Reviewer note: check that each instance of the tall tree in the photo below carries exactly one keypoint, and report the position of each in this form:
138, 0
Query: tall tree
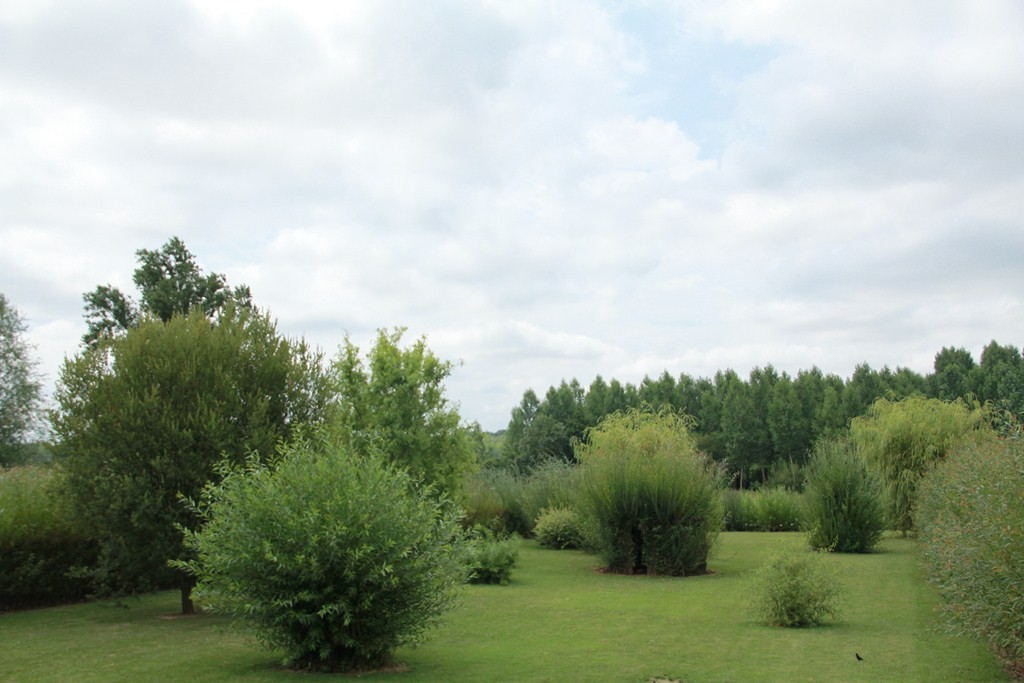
170, 282
146, 417
395, 404
20, 387
999, 378
952, 377
790, 428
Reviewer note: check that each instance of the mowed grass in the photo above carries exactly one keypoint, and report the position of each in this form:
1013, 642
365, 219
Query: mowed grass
559, 620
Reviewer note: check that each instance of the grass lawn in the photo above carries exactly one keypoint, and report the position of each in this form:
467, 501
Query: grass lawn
559, 620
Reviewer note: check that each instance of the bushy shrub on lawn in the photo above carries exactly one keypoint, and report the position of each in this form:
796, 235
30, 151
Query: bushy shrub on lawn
491, 557
796, 589
653, 501
560, 528
845, 500
971, 520
41, 546
334, 559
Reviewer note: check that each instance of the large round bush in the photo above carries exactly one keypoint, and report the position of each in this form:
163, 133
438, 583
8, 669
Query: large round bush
335, 559
845, 500
653, 501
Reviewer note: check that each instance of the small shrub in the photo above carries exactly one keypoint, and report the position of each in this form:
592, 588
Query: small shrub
334, 559
653, 501
42, 550
796, 589
560, 528
845, 509
491, 558
972, 534
776, 509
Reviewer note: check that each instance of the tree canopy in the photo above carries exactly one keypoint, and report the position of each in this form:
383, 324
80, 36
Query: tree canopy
395, 405
144, 418
170, 282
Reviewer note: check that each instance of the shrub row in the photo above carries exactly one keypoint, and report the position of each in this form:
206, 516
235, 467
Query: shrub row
42, 551
508, 502
774, 509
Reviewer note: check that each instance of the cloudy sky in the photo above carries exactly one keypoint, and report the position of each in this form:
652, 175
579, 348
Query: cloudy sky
546, 190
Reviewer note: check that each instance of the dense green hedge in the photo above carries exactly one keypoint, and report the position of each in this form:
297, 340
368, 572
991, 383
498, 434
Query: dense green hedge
971, 519
40, 545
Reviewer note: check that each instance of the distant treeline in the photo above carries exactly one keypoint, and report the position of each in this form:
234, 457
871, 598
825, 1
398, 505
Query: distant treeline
765, 425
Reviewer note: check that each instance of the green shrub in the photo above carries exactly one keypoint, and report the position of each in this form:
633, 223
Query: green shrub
971, 522
738, 512
334, 559
903, 439
560, 528
775, 509
796, 589
491, 558
482, 506
520, 498
42, 549
845, 509
653, 501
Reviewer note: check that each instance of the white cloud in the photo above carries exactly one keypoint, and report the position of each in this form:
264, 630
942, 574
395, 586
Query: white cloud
532, 185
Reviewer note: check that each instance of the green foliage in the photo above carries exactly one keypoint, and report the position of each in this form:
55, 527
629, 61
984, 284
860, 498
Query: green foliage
972, 531
396, 405
796, 589
41, 546
491, 557
146, 416
738, 513
510, 502
903, 439
559, 528
170, 282
20, 388
845, 500
336, 559
653, 501
775, 509
769, 509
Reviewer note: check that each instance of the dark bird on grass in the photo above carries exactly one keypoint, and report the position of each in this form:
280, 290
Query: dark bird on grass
859, 658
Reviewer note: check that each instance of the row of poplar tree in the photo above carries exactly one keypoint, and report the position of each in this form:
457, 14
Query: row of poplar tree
764, 426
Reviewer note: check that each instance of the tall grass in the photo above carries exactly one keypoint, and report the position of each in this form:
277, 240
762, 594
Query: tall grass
845, 500
653, 502
506, 501
772, 509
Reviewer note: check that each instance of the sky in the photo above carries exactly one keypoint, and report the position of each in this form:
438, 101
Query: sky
544, 190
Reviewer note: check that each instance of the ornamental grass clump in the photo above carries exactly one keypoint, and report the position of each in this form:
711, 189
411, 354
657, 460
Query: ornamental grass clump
336, 560
845, 500
652, 501
796, 589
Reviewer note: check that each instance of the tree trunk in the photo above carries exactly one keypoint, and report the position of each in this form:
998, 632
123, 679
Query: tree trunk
187, 584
